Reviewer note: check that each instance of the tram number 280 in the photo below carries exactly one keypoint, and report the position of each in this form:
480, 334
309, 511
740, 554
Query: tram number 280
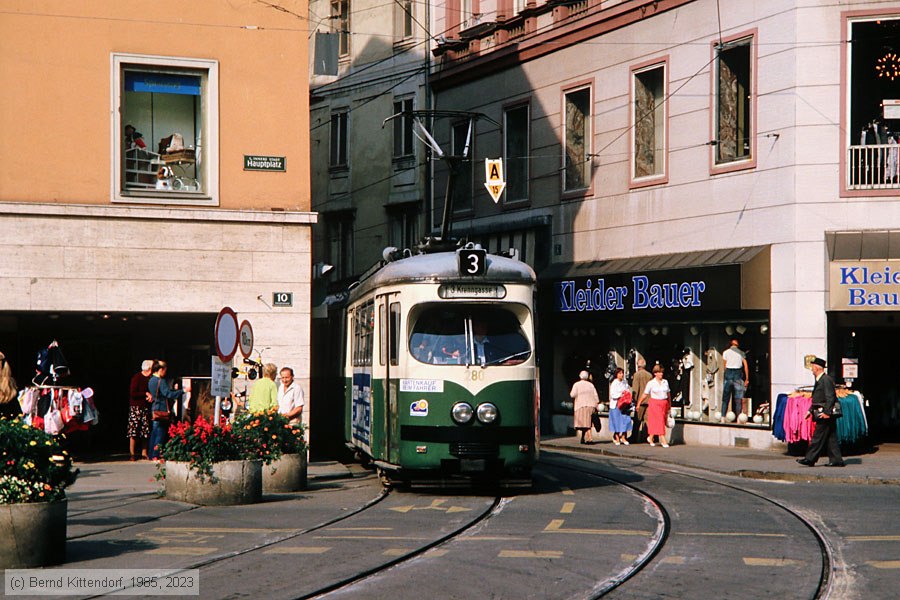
472, 261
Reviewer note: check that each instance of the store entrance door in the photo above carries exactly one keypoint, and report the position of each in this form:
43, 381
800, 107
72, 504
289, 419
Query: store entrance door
874, 339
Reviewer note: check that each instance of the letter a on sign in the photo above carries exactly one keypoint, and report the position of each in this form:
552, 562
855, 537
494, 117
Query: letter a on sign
493, 177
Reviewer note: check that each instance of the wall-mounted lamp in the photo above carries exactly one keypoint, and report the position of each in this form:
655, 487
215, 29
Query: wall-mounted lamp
764, 328
665, 331
741, 329
654, 330
695, 330
642, 331
729, 330
618, 331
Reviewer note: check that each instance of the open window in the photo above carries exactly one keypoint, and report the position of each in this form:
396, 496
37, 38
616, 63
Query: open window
165, 133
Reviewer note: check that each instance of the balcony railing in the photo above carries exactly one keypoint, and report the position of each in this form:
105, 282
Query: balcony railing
873, 167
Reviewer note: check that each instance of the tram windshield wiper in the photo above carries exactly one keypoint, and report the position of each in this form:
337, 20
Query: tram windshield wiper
498, 361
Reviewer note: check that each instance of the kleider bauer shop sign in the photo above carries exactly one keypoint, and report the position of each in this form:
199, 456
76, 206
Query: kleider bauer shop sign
864, 285
688, 290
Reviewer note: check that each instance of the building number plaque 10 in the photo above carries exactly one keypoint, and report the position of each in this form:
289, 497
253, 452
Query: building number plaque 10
472, 261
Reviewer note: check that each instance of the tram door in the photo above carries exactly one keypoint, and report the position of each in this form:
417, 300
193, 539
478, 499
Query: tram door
389, 351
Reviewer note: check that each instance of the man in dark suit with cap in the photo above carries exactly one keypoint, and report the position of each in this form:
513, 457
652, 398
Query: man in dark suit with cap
825, 436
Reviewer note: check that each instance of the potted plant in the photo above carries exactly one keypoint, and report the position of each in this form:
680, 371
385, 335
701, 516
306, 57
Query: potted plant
208, 464
279, 444
34, 473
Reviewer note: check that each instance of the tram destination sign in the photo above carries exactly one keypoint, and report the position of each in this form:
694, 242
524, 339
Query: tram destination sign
471, 290
264, 163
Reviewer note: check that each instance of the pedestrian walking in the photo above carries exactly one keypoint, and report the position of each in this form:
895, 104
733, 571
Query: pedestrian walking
139, 400
641, 378
264, 395
824, 437
164, 396
659, 400
619, 417
586, 401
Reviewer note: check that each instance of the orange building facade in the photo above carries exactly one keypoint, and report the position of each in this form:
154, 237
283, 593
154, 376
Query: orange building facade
156, 170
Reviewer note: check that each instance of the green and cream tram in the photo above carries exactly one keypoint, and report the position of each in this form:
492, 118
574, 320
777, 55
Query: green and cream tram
440, 369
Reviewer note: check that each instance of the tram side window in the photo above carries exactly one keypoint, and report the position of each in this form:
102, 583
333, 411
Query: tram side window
363, 329
395, 333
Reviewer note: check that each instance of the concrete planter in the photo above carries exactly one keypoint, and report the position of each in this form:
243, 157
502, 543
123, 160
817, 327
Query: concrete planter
32, 534
287, 474
237, 482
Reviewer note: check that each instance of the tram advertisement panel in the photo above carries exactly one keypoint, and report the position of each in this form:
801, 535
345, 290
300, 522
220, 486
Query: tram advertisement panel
362, 408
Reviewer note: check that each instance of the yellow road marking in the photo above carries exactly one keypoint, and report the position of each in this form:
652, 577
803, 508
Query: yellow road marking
567, 508
181, 551
873, 538
218, 530
530, 554
732, 534
295, 550
770, 562
567, 492
368, 537
437, 553
556, 526
436, 504
490, 538
395, 552
884, 564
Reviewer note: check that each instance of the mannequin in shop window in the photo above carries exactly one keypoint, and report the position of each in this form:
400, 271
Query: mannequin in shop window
737, 378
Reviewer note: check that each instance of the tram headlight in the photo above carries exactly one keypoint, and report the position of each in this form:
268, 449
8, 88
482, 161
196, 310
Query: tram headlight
462, 412
487, 413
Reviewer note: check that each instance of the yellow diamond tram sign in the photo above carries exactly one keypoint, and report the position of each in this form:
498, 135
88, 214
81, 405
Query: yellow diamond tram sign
493, 177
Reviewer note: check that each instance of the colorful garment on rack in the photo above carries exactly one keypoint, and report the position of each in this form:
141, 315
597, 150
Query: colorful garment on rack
778, 417
797, 427
852, 426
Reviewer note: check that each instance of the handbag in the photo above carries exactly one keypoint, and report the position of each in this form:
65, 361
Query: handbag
53, 423
624, 404
670, 422
596, 423
159, 415
837, 411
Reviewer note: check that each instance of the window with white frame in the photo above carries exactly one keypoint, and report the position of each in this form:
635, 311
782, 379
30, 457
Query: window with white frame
165, 117
464, 184
340, 16
339, 140
577, 164
649, 122
734, 101
519, 5
403, 128
405, 19
516, 151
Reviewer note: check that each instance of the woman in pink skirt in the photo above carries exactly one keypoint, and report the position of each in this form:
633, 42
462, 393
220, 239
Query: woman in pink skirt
657, 391
586, 400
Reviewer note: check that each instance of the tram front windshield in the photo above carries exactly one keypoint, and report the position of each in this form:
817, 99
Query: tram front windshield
468, 335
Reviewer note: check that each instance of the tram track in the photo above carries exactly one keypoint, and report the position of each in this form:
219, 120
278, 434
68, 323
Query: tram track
412, 555
826, 553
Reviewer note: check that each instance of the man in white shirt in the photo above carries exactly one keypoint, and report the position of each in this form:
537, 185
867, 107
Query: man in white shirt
290, 396
737, 378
